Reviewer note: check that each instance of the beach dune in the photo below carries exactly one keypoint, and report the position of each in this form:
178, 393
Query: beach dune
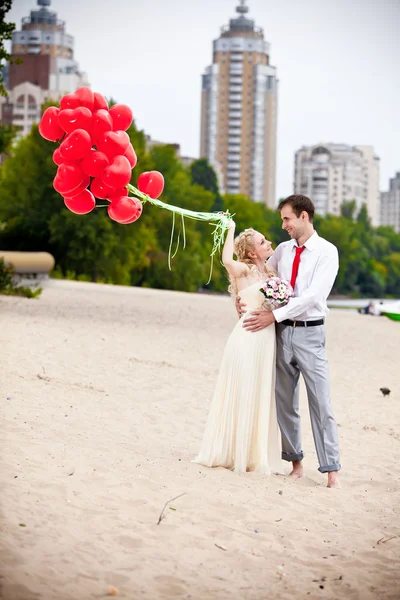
104, 397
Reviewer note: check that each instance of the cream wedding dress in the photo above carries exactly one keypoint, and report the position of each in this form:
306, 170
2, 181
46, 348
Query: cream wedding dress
242, 429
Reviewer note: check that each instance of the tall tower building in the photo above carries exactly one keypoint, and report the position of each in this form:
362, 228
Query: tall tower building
331, 174
390, 204
239, 111
46, 68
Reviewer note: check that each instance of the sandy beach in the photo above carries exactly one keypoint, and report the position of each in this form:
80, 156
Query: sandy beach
104, 396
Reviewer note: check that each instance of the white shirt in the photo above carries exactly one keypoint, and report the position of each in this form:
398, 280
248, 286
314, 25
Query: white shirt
319, 265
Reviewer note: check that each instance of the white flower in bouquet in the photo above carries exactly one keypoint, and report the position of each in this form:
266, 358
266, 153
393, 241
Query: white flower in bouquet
277, 292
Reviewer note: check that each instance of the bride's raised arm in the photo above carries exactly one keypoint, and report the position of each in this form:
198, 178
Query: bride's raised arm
234, 267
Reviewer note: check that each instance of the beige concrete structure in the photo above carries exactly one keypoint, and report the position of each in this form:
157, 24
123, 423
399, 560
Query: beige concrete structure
29, 263
331, 174
239, 111
390, 204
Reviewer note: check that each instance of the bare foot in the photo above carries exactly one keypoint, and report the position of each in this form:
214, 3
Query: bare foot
333, 480
297, 471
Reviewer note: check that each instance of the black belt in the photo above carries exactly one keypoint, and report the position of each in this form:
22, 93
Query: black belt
303, 323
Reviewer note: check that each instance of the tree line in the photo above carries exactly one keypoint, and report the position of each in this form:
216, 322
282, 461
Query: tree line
94, 248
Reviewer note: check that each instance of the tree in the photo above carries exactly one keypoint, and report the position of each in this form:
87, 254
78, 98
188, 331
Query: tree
6, 30
203, 174
393, 274
363, 217
348, 209
35, 219
7, 135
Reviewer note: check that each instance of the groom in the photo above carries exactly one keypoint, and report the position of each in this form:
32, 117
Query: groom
311, 264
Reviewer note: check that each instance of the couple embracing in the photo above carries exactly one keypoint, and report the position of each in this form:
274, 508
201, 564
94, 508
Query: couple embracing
254, 419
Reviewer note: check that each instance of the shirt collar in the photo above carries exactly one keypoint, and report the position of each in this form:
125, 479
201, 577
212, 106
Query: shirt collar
310, 244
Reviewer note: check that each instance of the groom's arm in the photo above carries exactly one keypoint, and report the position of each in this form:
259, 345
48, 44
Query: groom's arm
315, 295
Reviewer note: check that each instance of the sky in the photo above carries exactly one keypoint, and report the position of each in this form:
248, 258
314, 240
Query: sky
338, 65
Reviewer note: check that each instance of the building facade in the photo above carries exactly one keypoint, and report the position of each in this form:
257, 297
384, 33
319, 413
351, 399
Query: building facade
239, 111
43, 68
331, 174
390, 204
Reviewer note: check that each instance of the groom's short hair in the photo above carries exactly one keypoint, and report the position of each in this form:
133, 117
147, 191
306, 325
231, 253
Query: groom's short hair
299, 204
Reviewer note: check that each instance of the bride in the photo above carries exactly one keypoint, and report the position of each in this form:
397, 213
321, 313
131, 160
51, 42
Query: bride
242, 429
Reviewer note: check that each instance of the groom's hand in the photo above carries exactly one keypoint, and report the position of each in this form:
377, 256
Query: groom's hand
258, 320
239, 305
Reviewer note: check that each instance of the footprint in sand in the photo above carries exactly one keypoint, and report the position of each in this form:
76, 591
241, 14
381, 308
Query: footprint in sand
130, 542
171, 586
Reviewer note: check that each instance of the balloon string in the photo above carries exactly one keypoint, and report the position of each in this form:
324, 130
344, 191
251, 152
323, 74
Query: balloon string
184, 232
170, 242
219, 221
177, 243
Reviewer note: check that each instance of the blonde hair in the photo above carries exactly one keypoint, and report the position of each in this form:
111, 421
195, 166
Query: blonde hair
243, 244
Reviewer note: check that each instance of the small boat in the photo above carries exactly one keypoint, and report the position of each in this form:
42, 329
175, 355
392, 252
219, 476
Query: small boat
391, 310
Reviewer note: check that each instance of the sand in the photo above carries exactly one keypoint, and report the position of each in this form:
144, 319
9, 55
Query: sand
104, 397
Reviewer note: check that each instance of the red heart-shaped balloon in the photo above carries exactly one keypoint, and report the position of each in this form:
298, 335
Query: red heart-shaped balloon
100, 189
136, 215
80, 188
113, 143
57, 158
49, 127
86, 97
69, 176
122, 117
75, 118
131, 156
124, 210
76, 145
151, 183
94, 163
120, 192
99, 102
118, 173
101, 123
69, 101
82, 204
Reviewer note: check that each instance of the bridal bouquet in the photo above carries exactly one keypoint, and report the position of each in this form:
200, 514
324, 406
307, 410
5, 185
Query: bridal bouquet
277, 292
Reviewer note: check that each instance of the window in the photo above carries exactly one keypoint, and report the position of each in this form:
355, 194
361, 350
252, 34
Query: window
20, 102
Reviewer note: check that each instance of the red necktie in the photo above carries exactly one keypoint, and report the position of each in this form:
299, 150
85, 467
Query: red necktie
295, 266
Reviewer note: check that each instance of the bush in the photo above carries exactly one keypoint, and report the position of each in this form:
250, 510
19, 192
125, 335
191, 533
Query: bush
9, 287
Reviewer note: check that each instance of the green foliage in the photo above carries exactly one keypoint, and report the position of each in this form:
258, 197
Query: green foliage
6, 30
95, 248
348, 209
8, 286
7, 135
203, 174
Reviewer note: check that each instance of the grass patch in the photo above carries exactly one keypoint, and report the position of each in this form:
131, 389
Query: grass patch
8, 287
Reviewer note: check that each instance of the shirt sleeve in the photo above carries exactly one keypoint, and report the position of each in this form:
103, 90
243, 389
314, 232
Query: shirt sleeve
273, 261
316, 294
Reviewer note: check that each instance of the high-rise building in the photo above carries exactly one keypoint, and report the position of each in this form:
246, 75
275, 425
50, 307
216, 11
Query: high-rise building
331, 174
239, 110
390, 204
43, 67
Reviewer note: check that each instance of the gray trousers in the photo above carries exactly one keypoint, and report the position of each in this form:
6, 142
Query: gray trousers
302, 350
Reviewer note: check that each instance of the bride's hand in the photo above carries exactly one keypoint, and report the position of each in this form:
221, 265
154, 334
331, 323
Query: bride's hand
239, 305
232, 224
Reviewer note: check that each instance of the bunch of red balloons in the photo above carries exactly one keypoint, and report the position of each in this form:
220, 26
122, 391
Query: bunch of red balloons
95, 158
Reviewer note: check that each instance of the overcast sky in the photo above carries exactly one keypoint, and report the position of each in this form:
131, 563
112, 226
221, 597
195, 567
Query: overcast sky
338, 65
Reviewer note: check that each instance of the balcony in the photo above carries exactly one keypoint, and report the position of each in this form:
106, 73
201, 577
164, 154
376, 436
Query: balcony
235, 69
